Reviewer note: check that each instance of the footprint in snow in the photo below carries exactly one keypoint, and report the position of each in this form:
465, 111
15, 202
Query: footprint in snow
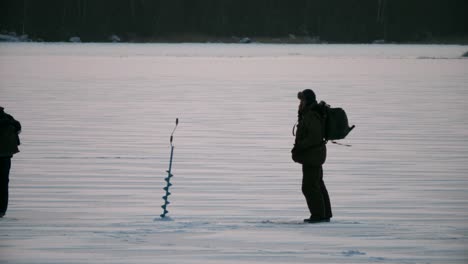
351, 253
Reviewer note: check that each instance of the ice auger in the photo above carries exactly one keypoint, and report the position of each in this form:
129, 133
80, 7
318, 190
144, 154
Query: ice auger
169, 176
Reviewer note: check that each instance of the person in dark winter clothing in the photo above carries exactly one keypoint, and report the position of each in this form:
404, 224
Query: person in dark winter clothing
9, 142
310, 151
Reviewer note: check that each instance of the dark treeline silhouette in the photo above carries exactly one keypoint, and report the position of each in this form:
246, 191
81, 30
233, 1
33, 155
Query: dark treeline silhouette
154, 20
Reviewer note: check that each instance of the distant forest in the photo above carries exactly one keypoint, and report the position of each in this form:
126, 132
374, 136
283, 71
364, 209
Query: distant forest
334, 21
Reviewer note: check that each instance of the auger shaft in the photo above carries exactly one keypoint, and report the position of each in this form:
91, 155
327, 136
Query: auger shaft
169, 184
169, 176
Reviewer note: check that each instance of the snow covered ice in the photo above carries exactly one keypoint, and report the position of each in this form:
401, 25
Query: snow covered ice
87, 185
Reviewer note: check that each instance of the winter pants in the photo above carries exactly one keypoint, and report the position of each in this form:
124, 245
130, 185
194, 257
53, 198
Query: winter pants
5, 164
315, 192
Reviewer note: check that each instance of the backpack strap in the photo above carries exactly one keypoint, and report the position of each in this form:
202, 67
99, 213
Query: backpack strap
341, 144
322, 106
294, 128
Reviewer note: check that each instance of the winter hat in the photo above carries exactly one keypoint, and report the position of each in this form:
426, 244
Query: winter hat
308, 95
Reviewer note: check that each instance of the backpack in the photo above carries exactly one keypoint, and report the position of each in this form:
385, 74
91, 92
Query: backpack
335, 122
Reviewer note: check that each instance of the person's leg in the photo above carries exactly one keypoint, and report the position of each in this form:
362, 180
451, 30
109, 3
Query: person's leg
326, 197
5, 164
311, 188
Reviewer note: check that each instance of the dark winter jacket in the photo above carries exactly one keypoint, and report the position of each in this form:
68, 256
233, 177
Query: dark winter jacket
9, 139
309, 147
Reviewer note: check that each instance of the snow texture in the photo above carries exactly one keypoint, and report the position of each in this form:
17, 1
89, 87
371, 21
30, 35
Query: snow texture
87, 184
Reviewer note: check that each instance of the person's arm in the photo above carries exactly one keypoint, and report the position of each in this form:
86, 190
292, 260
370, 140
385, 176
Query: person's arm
8, 120
16, 124
309, 132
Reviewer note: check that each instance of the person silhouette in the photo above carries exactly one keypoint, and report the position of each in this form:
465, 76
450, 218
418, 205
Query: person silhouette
310, 151
9, 142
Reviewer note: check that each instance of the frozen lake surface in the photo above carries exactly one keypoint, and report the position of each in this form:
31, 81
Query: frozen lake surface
95, 146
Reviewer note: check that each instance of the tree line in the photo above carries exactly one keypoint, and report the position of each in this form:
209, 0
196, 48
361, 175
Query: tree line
350, 21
